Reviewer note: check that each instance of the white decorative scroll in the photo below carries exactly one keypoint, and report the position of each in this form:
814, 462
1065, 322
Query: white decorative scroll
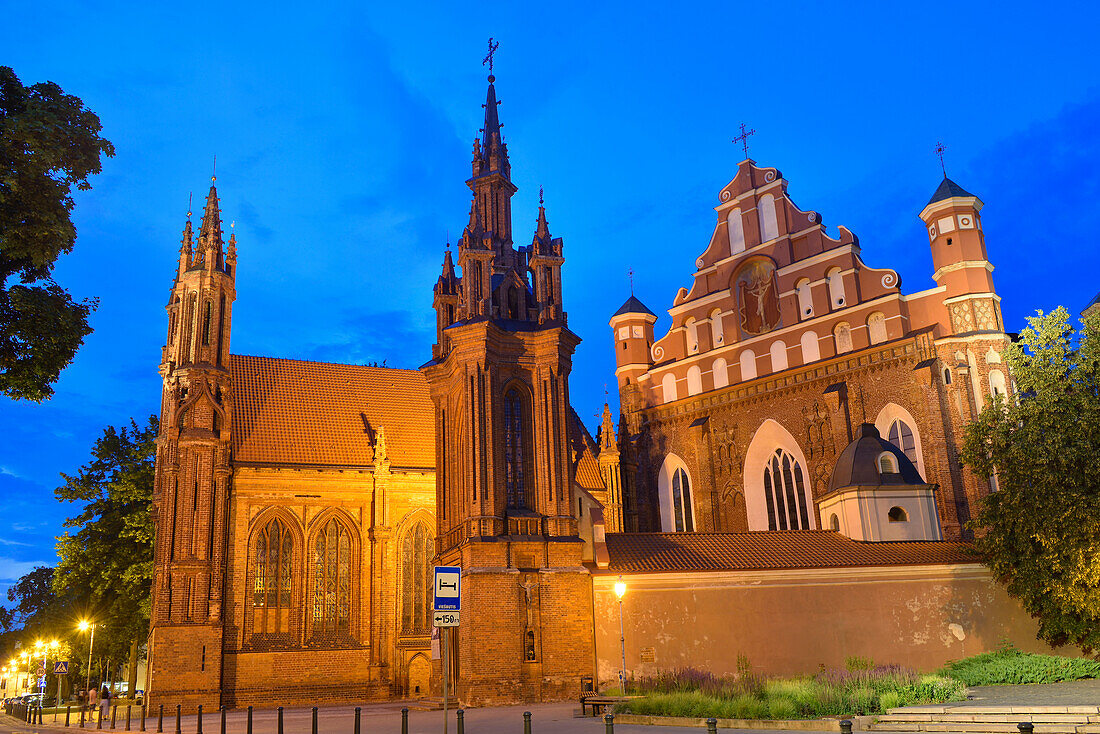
890, 279
658, 352
769, 176
726, 195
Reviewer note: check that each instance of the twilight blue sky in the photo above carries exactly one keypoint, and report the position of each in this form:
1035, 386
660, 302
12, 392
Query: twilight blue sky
343, 134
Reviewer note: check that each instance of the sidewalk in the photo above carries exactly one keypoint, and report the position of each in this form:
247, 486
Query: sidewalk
379, 718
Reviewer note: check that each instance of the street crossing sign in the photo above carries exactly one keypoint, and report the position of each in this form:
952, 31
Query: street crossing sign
448, 580
444, 619
61, 667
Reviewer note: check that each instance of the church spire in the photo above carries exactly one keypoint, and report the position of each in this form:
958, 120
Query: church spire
607, 432
210, 234
185, 244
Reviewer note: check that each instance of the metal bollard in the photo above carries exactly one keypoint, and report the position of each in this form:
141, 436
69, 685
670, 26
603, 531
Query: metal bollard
1025, 727
280, 720
114, 715
526, 722
404, 721
358, 712
460, 715
712, 725
178, 708
609, 723
249, 720
128, 707
143, 717
99, 719
68, 710
160, 719
846, 726
198, 723
314, 730
81, 717
223, 719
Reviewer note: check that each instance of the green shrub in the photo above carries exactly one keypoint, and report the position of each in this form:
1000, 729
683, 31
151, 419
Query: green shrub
1008, 665
697, 694
853, 663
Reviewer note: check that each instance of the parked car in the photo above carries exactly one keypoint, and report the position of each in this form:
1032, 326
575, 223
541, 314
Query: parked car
33, 699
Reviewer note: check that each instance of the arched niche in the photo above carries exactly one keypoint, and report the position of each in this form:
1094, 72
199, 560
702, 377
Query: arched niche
885, 420
677, 499
769, 437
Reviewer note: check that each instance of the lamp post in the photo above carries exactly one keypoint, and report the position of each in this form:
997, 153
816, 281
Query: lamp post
620, 590
83, 626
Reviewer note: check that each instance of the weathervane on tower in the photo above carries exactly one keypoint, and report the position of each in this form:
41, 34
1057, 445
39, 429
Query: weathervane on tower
743, 138
489, 57
940, 148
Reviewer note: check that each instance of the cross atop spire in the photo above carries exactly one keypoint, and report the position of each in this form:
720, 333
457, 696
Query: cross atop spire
939, 149
489, 57
743, 138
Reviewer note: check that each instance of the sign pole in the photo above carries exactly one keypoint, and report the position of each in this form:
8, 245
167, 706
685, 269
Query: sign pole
445, 635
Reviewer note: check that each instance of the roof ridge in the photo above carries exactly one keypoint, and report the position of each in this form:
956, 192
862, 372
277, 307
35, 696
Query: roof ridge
316, 361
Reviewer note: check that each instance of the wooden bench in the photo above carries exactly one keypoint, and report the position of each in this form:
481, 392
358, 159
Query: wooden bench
599, 703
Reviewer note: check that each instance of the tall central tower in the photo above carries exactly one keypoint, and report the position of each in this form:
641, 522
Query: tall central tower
499, 380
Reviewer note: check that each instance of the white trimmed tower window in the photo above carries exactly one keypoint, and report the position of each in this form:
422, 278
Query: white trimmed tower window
674, 488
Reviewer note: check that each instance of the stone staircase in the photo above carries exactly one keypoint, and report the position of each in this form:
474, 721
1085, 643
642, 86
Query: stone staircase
990, 719
434, 703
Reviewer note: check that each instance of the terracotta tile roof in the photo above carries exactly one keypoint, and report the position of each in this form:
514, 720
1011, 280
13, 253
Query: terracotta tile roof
289, 411
586, 468
770, 550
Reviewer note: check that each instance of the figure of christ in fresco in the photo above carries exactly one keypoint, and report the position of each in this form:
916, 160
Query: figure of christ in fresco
759, 304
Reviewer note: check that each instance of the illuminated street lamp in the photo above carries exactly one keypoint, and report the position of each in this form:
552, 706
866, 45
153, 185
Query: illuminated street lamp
620, 590
84, 626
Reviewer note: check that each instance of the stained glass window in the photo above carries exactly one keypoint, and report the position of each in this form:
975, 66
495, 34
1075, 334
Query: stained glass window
332, 580
416, 571
785, 493
272, 588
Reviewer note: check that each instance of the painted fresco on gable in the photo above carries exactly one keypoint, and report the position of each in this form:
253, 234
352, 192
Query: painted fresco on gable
757, 297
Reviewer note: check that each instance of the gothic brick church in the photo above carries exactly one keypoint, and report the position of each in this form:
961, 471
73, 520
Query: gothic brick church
799, 420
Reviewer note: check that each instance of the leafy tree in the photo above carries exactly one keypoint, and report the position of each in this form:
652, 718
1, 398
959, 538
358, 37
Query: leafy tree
1040, 532
32, 594
49, 142
107, 563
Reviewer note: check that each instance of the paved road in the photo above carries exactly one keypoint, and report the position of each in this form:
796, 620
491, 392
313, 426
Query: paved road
385, 718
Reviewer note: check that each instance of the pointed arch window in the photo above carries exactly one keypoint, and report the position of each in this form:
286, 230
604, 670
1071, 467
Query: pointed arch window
206, 325
416, 569
516, 450
901, 435
332, 580
785, 493
681, 502
272, 579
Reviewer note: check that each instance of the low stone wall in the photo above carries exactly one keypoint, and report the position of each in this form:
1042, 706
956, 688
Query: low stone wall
793, 622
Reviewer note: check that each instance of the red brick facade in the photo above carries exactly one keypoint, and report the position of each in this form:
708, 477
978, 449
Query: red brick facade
786, 325
300, 505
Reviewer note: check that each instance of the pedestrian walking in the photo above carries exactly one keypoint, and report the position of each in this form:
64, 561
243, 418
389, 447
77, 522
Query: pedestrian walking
93, 702
105, 703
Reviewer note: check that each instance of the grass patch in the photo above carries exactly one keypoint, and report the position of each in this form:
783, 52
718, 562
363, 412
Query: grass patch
864, 690
1008, 665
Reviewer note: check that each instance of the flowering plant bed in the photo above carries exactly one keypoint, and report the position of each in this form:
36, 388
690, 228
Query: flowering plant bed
831, 693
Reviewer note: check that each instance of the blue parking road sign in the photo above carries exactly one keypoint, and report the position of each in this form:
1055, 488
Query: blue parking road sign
448, 582
61, 667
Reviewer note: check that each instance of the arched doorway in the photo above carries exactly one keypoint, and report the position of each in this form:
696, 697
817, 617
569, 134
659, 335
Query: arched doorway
420, 676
